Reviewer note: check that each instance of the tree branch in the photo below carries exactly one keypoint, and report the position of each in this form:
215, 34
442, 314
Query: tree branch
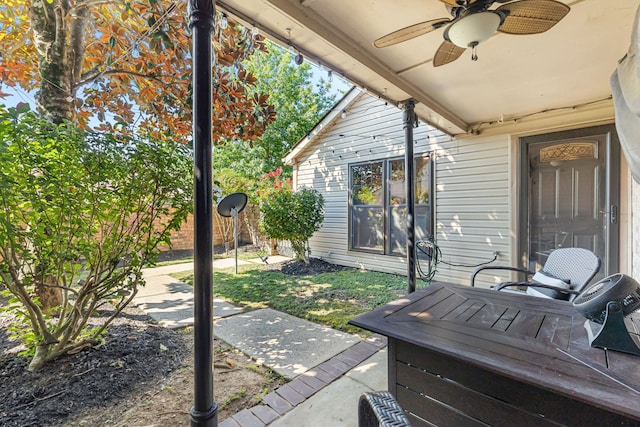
19, 43
117, 309
89, 4
114, 71
78, 43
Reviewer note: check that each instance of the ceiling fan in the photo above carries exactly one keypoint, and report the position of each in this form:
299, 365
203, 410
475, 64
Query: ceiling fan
473, 22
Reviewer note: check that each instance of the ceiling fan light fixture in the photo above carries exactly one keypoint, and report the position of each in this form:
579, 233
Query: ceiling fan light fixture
472, 29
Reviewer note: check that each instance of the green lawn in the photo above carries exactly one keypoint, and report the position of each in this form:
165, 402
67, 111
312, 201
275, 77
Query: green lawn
328, 298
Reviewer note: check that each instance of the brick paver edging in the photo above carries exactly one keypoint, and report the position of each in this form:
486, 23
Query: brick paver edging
288, 396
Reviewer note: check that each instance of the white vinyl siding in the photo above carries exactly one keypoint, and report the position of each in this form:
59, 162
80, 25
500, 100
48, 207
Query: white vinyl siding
471, 188
472, 206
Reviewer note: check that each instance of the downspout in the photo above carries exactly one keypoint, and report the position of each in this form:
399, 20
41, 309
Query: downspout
201, 21
410, 122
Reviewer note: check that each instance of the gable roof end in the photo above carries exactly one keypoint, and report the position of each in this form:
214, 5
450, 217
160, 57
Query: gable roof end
329, 118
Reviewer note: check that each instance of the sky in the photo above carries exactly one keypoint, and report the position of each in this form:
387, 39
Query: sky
17, 95
338, 86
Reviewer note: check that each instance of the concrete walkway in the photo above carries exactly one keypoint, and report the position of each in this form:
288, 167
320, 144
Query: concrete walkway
328, 369
169, 301
288, 345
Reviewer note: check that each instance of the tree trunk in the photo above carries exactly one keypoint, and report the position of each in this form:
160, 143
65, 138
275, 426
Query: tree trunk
274, 247
59, 39
252, 219
50, 297
39, 358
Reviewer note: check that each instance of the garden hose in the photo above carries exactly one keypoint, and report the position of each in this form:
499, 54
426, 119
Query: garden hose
434, 257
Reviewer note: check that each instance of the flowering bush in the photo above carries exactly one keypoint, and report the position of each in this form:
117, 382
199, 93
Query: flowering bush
273, 182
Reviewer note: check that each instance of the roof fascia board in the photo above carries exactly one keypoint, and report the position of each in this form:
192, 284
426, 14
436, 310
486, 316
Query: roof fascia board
336, 38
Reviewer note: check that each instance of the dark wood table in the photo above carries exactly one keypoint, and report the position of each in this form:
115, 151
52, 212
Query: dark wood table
462, 356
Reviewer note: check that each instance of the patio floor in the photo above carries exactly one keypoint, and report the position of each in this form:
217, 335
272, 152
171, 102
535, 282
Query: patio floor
326, 368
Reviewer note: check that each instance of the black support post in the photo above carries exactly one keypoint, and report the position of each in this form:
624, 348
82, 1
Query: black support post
409, 123
201, 20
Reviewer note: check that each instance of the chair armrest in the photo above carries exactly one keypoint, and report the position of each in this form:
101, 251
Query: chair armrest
380, 409
537, 285
480, 269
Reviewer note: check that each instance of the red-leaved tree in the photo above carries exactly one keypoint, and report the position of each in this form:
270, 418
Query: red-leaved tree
126, 62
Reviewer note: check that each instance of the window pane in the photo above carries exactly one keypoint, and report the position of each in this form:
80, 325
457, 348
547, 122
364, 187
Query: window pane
398, 227
422, 222
367, 228
397, 189
367, 210
398, 230
397, 208
366, 184
422, 180
375, 200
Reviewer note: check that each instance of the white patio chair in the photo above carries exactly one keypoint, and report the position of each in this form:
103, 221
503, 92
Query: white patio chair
564, 275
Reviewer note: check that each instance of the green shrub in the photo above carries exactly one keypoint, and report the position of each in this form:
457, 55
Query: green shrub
293, 216
82, 213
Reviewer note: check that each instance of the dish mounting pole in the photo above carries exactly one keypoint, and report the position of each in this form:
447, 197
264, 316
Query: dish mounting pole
235, 234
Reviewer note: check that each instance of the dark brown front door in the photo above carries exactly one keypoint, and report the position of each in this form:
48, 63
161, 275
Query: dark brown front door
572, 186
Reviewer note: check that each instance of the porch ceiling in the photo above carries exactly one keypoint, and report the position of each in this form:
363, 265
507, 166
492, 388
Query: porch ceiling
514, 76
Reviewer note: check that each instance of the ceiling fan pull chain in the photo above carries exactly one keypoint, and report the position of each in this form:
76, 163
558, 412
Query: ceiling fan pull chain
474, 51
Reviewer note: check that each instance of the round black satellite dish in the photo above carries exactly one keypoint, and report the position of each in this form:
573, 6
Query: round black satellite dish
237, 201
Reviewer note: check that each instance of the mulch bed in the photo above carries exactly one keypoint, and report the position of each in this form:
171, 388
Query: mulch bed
315, 266
135, 355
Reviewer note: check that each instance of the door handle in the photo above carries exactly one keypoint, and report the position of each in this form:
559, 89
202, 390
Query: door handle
614, 214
